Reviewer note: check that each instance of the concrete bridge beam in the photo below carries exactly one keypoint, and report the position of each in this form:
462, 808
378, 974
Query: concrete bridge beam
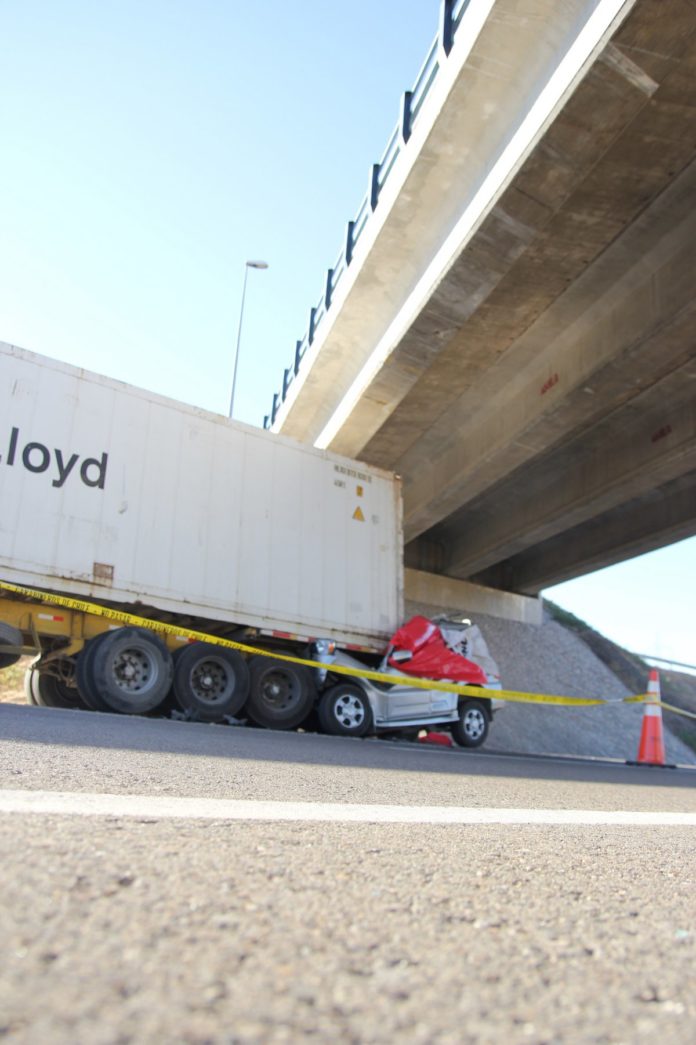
654, 446
656, 518
623, 323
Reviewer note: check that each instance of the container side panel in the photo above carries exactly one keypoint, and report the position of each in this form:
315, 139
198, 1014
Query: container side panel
313, 550
336, 521
220, 530
254, 521
192, 457
286, 534
82, 510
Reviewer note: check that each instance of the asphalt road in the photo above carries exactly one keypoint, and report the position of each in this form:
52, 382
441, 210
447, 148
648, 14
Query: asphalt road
140, 928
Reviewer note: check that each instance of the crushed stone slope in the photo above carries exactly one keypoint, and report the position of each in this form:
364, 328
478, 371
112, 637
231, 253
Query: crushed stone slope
551, 659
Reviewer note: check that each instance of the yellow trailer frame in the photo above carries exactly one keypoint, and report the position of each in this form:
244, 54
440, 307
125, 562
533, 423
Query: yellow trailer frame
55, 632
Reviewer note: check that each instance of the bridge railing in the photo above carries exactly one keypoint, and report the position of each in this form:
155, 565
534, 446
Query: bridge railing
414, 98
451, 15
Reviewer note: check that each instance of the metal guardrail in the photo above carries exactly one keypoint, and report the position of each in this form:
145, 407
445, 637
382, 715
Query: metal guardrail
666, 660
451, 15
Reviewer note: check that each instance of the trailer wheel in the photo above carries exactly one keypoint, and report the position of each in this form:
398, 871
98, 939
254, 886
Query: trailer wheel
345, 711
131, 670
471, 728
86, 686
211, 681
53, 685
9, 636
282, 695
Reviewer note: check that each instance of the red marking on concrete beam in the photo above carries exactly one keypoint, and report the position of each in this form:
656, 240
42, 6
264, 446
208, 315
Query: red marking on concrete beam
548, 384
661, 433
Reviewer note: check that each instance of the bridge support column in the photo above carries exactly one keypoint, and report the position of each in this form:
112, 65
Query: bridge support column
430, 595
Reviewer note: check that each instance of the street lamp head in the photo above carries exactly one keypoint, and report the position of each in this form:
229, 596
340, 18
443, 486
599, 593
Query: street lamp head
257, 264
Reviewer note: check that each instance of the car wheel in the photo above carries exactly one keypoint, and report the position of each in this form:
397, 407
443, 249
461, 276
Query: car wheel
210, 681
281, 696
344, 710
9, 636
131, 670
471, 729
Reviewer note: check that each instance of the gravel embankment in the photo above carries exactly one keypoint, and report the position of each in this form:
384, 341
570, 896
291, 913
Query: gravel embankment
551, 659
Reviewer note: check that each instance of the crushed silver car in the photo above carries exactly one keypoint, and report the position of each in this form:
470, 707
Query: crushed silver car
446, 649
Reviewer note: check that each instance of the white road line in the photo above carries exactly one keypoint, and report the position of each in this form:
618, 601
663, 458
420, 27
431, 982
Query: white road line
75, 803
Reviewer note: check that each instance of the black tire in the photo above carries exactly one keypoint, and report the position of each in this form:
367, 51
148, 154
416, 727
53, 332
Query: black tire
131, 670
282, 695
210, 681
471, 729
84, 677
344, 711
9, 636
53, 685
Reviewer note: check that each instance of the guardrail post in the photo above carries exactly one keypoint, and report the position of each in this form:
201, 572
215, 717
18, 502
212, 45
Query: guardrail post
406, 116
298, 356
287, 380
446, 25
373, 191
312, 322
349, 242
328, 292
274, 411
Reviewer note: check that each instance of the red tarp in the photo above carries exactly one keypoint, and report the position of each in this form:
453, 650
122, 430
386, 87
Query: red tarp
432, 658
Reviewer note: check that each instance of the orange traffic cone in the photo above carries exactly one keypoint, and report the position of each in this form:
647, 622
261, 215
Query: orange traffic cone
651, 750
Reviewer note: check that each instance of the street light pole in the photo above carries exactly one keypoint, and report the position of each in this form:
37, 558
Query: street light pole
247, 266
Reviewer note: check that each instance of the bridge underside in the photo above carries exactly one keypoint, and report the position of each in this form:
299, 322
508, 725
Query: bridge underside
541, 408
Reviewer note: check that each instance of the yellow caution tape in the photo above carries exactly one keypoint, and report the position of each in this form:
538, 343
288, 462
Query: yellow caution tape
677, 711
648, 698
132, 619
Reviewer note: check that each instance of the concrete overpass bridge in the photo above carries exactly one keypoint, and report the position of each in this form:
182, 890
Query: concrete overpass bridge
510, 323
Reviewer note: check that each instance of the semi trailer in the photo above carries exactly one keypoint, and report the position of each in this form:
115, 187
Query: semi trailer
116, 502
114, 494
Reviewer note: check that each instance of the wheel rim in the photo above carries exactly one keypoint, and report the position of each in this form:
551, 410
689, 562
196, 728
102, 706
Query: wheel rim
474, 723
211, 681
280, 691
349, 711
134, 671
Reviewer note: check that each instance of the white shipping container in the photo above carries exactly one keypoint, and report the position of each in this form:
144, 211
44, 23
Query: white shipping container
117, 493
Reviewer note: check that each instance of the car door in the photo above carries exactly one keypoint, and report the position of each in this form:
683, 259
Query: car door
417, 704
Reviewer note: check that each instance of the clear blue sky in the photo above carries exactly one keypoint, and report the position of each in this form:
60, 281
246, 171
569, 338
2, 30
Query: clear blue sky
149, 148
